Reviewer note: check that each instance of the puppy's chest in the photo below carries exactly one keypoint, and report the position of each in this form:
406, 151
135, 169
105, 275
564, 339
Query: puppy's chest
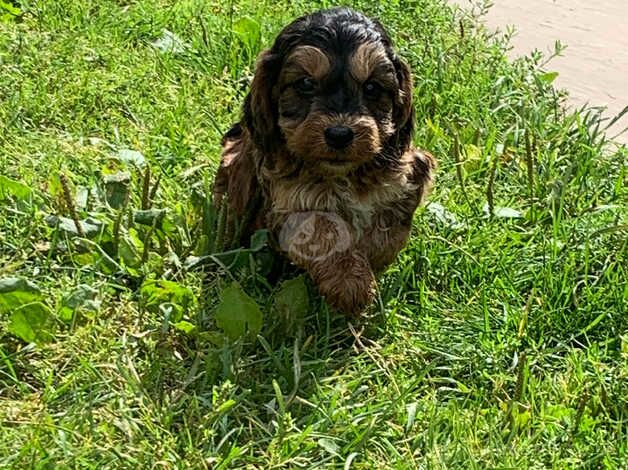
357, 207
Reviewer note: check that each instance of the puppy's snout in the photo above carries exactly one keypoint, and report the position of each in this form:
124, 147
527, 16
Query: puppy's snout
338, 137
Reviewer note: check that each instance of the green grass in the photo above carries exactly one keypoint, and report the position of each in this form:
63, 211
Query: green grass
498, 342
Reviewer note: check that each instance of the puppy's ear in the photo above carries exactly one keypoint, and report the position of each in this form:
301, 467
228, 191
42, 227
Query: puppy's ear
404, 111
260, 110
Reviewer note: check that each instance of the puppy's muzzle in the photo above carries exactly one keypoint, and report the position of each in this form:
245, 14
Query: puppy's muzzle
339, 137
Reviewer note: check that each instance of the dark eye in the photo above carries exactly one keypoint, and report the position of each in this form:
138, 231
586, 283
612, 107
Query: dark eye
372, 90
305, 86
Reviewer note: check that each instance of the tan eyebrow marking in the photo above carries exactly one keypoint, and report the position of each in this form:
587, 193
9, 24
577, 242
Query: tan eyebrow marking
369, 58
308, 59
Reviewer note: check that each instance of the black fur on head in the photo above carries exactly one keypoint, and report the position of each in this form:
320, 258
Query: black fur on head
339, 33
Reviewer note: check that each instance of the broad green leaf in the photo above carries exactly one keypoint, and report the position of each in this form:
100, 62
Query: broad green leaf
169, 43
32, 323
131, 157
292, 300
443, 216
54, 186
84, 297
149, 217
9, 187
238, 314
159, 292
16, 292
259, 240
185, 326
117, 187
248, 30
93, 254
129, 253
548, 77
329, 445
473, 157
503, 212
91, 227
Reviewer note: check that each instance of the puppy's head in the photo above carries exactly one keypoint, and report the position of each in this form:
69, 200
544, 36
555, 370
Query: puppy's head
332, 92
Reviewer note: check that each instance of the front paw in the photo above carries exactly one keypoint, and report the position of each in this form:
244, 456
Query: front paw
347, 285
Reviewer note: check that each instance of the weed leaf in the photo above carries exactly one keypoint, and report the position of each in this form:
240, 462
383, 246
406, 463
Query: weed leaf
248, 30
503, 212
157, 293
84, 297
329, 445
548, 77
169, 43
16, 292
292, 300
238, 314
185, 326
259, 240
149, 217
91, 227
117, 187
32, 323
443, 216
9, 187
131, 157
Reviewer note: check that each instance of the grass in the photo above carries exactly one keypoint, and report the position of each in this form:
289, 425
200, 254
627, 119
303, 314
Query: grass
500, 339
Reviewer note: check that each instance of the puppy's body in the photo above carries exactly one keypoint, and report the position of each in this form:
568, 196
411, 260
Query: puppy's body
323, 156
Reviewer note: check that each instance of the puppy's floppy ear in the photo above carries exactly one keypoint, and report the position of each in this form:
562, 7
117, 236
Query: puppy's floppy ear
404, 111
260, 110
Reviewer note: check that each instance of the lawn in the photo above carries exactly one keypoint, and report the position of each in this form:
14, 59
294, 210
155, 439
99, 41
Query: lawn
500, 336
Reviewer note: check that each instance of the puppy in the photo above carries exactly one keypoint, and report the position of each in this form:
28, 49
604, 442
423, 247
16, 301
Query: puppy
323, 155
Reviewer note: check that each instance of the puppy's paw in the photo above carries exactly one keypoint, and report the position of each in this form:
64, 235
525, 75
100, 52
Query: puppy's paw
348, 285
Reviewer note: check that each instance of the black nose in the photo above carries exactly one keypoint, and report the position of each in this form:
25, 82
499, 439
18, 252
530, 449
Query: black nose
338, 137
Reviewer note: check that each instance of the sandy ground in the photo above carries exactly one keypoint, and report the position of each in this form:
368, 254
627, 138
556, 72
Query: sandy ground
594, 67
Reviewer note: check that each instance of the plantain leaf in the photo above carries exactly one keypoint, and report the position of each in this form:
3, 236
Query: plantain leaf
238, 314
117, 187
292, 300
16, 292
84, 298
131, 157
91, 227
149, 217
32, 323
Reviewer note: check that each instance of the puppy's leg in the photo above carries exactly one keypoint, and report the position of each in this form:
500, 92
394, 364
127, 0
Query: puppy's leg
390, 227
236, 180
322, 244
346, 282
384, 240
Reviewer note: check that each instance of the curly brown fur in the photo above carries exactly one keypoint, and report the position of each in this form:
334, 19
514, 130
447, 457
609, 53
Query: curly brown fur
323, 155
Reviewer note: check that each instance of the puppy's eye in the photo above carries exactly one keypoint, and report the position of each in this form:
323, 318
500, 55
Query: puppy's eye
372, 89
305, 86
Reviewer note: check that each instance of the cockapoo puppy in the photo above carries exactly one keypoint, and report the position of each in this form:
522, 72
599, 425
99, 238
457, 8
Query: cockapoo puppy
323, 155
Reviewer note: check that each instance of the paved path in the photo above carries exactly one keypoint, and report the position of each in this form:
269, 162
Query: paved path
594, 67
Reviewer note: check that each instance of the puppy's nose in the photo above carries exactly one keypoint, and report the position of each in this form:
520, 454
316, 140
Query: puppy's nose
338, 137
